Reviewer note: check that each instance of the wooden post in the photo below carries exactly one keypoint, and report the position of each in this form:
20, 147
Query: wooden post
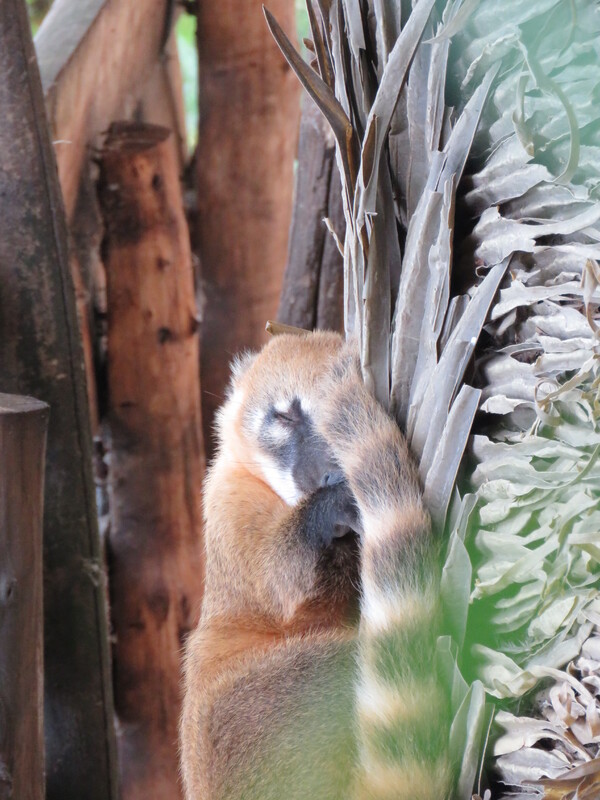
41, 355
157, 462
313, 284
249, 112
23, 424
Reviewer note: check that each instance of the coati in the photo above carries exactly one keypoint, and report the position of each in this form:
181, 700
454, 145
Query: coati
312, 502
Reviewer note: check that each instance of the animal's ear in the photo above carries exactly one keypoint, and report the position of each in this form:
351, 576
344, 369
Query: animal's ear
240, 365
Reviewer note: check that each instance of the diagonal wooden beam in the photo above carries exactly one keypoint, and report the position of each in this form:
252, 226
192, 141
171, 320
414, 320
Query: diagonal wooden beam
95, 57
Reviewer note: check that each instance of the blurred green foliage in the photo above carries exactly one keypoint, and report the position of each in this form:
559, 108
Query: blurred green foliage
188, 59
37, 10
302, 27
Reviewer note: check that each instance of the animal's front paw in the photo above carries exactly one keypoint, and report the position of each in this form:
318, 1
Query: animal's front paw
348, 412
331, 513
341, 380
345, 515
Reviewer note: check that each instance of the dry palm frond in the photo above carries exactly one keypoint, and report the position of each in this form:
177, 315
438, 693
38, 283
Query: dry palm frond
567, 724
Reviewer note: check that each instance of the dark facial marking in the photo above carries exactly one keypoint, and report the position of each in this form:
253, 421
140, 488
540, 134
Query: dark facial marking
291, 439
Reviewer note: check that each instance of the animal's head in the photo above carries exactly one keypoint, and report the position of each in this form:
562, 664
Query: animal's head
269, 414
267, 428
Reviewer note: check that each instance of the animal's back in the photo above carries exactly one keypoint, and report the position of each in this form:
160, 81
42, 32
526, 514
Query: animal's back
280, 724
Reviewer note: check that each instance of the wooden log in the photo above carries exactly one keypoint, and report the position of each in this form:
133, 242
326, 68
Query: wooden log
23, 424
249, 110
312, 292
41, 355
157, 461
95, 56
161, 102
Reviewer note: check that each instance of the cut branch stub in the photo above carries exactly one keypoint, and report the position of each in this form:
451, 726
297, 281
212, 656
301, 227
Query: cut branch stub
134, 137
277, 328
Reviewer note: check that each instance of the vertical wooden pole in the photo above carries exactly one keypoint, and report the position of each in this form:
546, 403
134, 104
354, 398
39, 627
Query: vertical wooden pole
157, 460
249, 111
23, 424
41, 355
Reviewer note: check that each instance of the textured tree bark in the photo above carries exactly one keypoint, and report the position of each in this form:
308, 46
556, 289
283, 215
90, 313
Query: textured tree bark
313, 284
23, 424
40, 355
157, 459
249, 109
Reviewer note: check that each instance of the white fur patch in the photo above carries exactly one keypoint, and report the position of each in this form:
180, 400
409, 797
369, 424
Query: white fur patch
414, 777
256, 421
281, 481
278, 431
377, 611
282, 406
407, 701
379, 524
230, 409
375, 700
381, 612
306, 406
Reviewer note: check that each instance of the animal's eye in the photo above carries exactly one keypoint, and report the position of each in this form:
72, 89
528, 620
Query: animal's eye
283, 417
287, 413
